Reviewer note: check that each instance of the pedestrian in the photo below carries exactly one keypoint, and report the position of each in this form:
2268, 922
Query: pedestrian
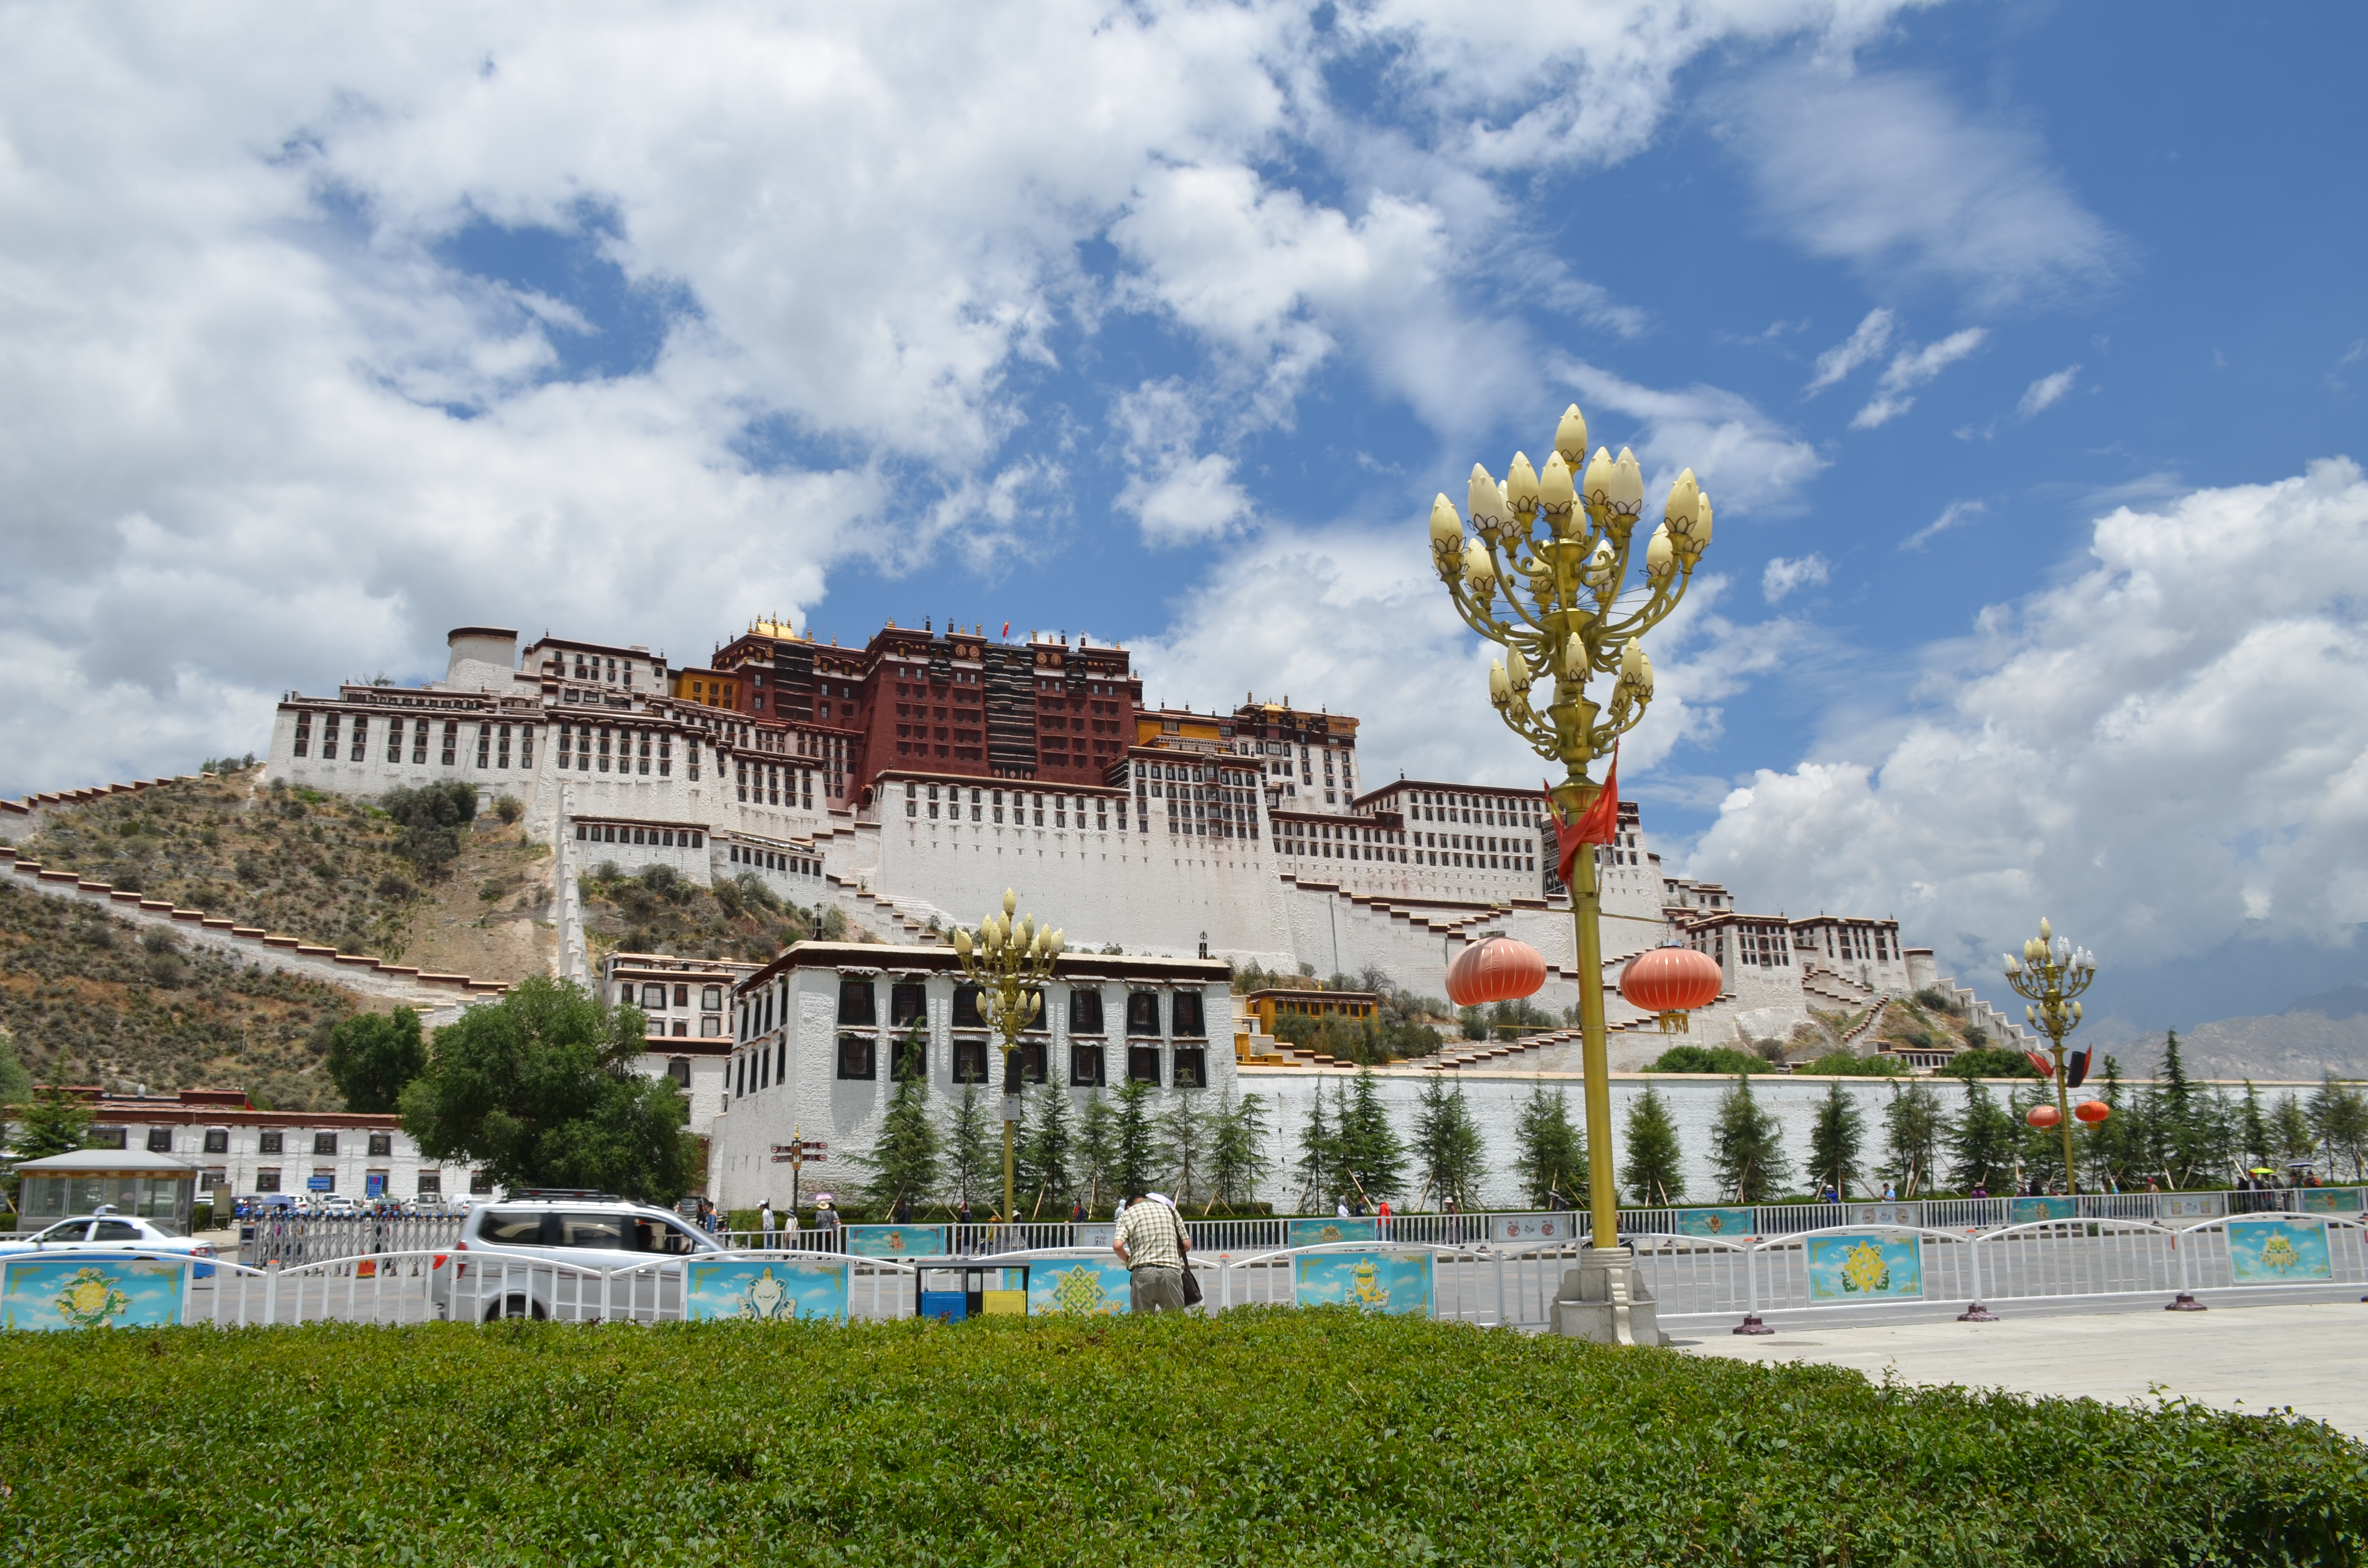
1383, 1212
1076, 1211
1890, 1193
1454, 1213
765, 1223
1340, 1208
1150, 1241
904, 1211
826, 1221
790, 1227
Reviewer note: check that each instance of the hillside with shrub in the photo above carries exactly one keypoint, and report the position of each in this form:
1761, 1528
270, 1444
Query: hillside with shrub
416, 877
657, 910
118, 1004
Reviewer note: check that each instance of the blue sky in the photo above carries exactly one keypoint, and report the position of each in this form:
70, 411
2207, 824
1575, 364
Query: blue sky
2021, 347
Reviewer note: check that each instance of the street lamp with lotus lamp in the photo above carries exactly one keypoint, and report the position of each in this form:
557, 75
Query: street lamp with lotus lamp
1009, 962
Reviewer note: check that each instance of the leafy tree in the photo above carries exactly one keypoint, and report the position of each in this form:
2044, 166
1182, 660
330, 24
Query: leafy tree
15, 1084
1655, 1173
1836, 1138
1318, 1169
1850, 1064
431, 819
2186, 1138
1097, 1151
57, 1121
904, 1159
1133, 1139
1371, 1155
2339, 1120
2291, 1137
1447, 1143
373, 1056
1183, 1140
1982, 1143
1747, 1146
1550, 1153
540, 1088
973, 1163
1237, 1160
1724, 1060
1047, 1152
2253, 1131
1988, 1061
1913, 1126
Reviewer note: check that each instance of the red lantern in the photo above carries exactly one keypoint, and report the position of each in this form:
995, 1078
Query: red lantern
2043, 1115
1671, 982
2093, 1111
1494, 968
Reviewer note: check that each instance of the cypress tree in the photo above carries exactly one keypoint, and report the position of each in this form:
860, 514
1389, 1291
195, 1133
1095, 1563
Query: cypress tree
1655, 1173
1372, 1156
1447, 1143
1913, 1125
1834, 1139
1136, 1163
2290, 1130
973, 1163
1746, 1146
1551, 1152
1237, 1160
56, 1122
1097, 1148
1319, 1156
903, 1159
1047, 1148
1183, 1140
1982, 1143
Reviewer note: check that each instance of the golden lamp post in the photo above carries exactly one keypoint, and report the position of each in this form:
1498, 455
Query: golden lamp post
1009, 962
1545, 575
2051, 976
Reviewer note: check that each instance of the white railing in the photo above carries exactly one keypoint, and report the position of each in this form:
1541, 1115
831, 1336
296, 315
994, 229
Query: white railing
287, 1239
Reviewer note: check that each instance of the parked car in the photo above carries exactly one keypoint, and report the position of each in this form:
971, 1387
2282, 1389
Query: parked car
490, 1271
107, 1231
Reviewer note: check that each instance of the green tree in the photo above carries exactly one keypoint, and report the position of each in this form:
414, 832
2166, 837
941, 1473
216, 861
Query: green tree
431, 819
1654, 1172
2253, 1131
1836, 1138
1318, 1169
1237, 1159
973, 1163
903, 1159
540, 1088
1371, 1155
1550, 1153
1047, 1154
2291, 1138
1988, 1061
1447, 1143
1097, 1156
2339, 1120
1135, 1142
1982, 1143
375, 1056
1182, 1138
1913, 1126
1721, 1059
15, 1084
1747, 1146
57, 1121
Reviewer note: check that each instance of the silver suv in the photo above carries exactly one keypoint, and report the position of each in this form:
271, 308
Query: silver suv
526, 1255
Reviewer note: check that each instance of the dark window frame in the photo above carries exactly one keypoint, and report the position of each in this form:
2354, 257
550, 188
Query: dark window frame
966, 1014
1142, 1014
1085, 1066
381, 1146
1085, 1012
908, 1003
324, 1143
1188, 1016
1143, 1066
1191, 1067
271, 1143
907, 1052
160, 1140
859, 1050
973, 1060
858, 1004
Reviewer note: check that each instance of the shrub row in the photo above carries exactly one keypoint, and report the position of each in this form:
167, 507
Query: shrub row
1268, 1436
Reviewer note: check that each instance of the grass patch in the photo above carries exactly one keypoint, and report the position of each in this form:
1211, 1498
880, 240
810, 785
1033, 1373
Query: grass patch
1264, 1436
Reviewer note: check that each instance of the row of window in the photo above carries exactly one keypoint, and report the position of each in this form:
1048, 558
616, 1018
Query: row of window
1480, 811
908, 1005
774, 860
652, 997
587, 747
771, 783
1023, 813
858, 1059
216, 1140
625, 833
374, 1183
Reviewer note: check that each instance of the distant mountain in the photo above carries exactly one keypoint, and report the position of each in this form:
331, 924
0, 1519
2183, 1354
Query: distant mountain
2349, 1002
2295, 1046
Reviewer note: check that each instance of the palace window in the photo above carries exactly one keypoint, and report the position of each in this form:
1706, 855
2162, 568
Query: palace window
1085, 1065
1143, 1012
451, 742
857, 1001
970, 1059
1085, 1012
329, 738
303, 734
907, 1004
1143, 1064
485, 744
502, 748
909, 1057
394, 740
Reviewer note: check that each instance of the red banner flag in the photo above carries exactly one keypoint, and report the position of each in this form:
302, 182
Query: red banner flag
1598, 825
1007, 631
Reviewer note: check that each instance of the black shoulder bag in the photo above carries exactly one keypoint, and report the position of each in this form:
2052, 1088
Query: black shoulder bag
1184, 1253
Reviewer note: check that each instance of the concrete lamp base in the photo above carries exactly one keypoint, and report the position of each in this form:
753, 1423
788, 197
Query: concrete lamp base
1606, 1301
1978, 1313
2184, 1302
1751, 1324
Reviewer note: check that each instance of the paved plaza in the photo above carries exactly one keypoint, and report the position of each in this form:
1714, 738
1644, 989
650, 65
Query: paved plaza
2311, 1356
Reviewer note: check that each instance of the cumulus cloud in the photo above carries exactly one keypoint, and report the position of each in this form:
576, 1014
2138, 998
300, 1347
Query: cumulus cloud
1913, 367
1179, 494
1883, 170
2048, 390
2162, 752
1748, 461
1782, 575
1870, 337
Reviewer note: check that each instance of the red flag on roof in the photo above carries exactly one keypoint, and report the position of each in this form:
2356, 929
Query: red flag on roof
1007, 629
1598, 825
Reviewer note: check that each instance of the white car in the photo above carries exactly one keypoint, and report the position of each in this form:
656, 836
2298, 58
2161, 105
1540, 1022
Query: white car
110, 1231
502, 1264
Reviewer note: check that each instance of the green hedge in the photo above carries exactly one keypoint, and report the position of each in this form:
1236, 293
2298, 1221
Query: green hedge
1263, 1437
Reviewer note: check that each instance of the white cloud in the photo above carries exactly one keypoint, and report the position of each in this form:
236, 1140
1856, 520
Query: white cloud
1179, 494
1782, 575
1882, 170
1745, 458
2165, 750
2046, 391
1870, 337
1912, 368
1954, 513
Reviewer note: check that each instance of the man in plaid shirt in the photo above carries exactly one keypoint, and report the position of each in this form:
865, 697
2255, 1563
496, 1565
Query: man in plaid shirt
1150, 1243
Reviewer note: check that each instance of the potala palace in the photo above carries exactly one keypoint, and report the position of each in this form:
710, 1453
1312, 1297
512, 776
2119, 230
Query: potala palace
910, 781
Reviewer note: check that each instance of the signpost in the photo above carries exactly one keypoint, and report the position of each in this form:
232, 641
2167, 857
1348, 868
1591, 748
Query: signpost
794, 1154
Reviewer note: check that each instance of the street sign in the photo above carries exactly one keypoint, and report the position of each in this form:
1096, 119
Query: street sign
320, 1184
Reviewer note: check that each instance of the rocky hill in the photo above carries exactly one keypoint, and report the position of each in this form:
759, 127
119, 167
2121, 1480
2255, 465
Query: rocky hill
124, 1005
2316, 1035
